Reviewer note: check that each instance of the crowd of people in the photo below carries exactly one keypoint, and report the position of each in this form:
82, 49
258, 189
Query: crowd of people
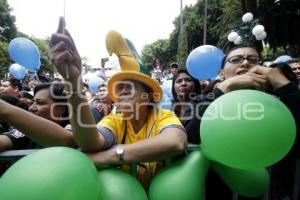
134, 119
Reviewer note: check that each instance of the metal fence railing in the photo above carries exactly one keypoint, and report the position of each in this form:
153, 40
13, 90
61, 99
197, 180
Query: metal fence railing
13, 155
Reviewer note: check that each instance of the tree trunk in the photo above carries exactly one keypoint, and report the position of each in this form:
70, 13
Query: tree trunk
251, 6
243, 6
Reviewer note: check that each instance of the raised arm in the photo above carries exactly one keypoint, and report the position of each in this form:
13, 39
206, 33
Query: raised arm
5, 143
65, 57
42, 131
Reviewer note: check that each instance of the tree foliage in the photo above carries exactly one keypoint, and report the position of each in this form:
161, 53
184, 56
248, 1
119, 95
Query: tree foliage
157, 50
182, 52
181, 45
7, 22
280, 18
8, 31
282, 23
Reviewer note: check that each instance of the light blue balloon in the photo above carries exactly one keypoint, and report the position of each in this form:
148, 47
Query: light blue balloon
24, 52
205, 62
38, 66
17, 71
283, 58
94, 83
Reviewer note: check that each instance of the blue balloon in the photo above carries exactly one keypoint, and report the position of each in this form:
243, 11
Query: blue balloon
17, 71
283, 58
24, 52
94, 83
205, 62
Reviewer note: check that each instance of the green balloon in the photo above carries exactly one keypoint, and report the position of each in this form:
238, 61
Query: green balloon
58, 173
183, 179
248, 183
115, 184
247, 129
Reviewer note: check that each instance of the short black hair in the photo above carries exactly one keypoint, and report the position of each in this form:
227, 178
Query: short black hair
13, 101
14, 82
25, 94
56, 87
174, 65
44, 79
59, 96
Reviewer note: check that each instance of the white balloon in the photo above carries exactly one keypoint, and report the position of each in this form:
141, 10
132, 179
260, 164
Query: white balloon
238, 40
258, 29
232, 36
247, 17
261, 36
17, 71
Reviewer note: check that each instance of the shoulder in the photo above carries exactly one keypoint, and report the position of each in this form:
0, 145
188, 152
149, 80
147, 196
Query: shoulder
167, 119
164, 116
113, 117
112, 121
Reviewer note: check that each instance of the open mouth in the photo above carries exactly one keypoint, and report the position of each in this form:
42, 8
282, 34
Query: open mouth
125, 97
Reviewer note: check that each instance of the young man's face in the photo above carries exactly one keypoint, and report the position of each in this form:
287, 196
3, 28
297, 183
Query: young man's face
103, 93
174, 70
296, 69
131, 96
7, 88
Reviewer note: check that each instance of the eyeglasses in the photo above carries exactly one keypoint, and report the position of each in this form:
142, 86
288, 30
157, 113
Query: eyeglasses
238, 59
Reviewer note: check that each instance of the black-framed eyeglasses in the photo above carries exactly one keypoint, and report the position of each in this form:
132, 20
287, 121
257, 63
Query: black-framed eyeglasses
238, 59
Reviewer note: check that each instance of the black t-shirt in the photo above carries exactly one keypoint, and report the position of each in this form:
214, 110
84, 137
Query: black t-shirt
20, 141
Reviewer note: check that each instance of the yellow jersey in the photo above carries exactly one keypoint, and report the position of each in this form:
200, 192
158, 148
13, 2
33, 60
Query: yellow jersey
158, 119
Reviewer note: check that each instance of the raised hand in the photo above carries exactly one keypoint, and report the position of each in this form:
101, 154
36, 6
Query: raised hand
274, 76
64, 55
249, 80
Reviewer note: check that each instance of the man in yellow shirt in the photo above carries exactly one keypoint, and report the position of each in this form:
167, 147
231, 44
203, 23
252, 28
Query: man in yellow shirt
142, 132
139, 119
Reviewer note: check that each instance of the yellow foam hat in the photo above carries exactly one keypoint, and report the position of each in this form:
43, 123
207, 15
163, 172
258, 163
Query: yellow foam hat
115, 43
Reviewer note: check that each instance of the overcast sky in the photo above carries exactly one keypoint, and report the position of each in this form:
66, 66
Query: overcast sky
141, 21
